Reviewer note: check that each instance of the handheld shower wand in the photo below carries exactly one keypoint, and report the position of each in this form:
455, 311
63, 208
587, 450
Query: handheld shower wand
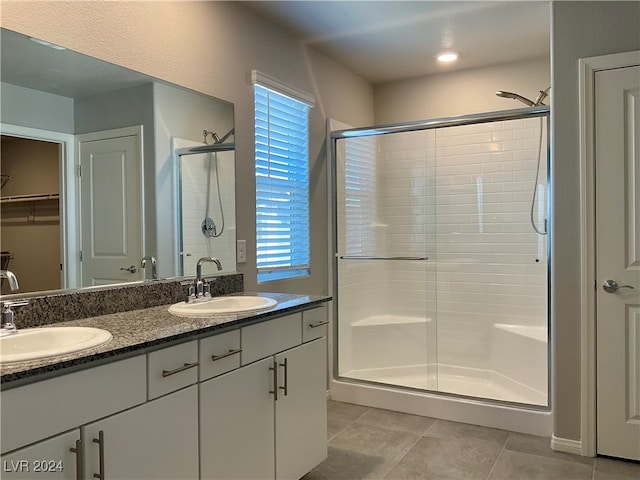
515, 96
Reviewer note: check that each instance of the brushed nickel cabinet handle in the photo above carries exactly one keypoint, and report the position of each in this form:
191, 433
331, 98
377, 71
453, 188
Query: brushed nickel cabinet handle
187, 366
225, 355
274, 369
318, 324
286, 378
100, 442
79, 459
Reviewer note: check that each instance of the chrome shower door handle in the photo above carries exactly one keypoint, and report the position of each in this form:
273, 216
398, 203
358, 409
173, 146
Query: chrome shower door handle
611, 286
130, 269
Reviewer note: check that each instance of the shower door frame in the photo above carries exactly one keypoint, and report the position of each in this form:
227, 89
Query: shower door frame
414, 126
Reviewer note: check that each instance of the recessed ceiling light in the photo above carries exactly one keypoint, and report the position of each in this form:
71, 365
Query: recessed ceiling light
47, 44
448, 56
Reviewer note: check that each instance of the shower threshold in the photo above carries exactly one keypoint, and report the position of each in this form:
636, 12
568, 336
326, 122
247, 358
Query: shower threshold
481, 384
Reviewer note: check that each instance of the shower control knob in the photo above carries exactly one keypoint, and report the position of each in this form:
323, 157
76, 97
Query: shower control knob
611, 286
131, 269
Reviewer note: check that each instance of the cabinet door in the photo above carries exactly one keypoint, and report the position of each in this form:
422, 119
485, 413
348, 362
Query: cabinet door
301, 409
51, 459
236, 424
157, 440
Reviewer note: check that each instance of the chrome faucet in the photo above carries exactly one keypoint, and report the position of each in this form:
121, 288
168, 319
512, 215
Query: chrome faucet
6, 324
8, 327
154, 264
11, 278
201, 288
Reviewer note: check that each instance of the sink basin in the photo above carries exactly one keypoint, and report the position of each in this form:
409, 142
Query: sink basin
222, 306
37, 343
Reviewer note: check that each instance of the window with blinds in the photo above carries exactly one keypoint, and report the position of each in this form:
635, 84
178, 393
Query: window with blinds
282, 185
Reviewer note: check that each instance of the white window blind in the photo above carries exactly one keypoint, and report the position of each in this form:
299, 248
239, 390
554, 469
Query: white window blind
282, 185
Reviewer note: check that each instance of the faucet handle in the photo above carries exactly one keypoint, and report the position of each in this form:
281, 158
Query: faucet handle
8, 304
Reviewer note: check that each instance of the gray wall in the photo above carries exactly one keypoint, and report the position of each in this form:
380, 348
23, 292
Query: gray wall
34, 109
579, 29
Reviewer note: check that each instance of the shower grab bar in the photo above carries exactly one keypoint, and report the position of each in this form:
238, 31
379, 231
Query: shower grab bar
355, 257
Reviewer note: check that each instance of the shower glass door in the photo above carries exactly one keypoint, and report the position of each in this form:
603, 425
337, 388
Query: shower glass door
385, 236
442, 262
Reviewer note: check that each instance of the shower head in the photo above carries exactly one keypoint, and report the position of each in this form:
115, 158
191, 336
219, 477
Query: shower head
515, 96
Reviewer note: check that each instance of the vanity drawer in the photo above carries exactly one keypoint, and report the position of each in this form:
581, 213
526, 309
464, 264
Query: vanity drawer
315, 323
172, 368
219, 354
46, 408
270, 337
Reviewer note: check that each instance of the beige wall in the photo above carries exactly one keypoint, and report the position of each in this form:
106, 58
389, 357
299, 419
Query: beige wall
461, 92
212, 47
579, 29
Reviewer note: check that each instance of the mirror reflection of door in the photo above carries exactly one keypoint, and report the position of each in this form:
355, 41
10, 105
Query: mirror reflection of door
111, 207
30, 212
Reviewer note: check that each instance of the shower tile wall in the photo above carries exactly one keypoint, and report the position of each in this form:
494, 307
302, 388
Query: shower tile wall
469, 212
194, 171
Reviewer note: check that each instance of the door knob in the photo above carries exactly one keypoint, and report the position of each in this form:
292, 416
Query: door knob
131, 269
611, 286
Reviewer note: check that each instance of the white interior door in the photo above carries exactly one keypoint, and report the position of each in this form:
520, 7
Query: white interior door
617, 173
111, 209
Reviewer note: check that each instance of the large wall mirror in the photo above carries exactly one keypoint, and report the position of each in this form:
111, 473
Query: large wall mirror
103, 166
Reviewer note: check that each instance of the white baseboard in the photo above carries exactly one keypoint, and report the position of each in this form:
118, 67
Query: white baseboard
565, 445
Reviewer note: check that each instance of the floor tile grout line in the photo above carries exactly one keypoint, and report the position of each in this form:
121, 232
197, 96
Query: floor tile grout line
504, 447
399, 458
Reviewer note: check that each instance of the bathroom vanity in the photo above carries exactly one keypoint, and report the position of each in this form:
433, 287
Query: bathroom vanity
233, 396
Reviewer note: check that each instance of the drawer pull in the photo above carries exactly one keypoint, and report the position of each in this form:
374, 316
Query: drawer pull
79, 460
318, 324
187, 366
225, 355
100, 442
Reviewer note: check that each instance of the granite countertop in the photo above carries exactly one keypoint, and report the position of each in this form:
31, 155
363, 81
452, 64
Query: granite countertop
135, 332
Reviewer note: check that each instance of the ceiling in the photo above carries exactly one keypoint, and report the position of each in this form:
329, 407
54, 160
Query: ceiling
386, 41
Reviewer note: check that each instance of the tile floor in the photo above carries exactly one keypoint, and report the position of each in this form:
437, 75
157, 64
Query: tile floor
368, 443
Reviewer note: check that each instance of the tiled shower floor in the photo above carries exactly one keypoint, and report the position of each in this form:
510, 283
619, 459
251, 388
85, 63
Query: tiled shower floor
368, 443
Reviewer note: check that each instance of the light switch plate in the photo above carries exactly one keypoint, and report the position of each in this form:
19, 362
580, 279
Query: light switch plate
241, 251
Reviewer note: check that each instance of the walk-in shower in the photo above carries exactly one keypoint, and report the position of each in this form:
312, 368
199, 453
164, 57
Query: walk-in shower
206, 193
440, 280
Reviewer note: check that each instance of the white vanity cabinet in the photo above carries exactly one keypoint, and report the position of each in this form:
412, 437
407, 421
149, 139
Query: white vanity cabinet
301, 410
53, 459
267, 419
236, 424
248, 403
157, 440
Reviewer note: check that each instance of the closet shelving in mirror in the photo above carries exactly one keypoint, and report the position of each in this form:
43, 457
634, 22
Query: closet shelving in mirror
30, 198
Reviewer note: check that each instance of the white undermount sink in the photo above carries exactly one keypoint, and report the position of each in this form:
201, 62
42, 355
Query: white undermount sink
222, 306
38, 343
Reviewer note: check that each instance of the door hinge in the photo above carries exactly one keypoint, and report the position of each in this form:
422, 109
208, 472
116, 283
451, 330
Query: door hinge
80, 255
79, 170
